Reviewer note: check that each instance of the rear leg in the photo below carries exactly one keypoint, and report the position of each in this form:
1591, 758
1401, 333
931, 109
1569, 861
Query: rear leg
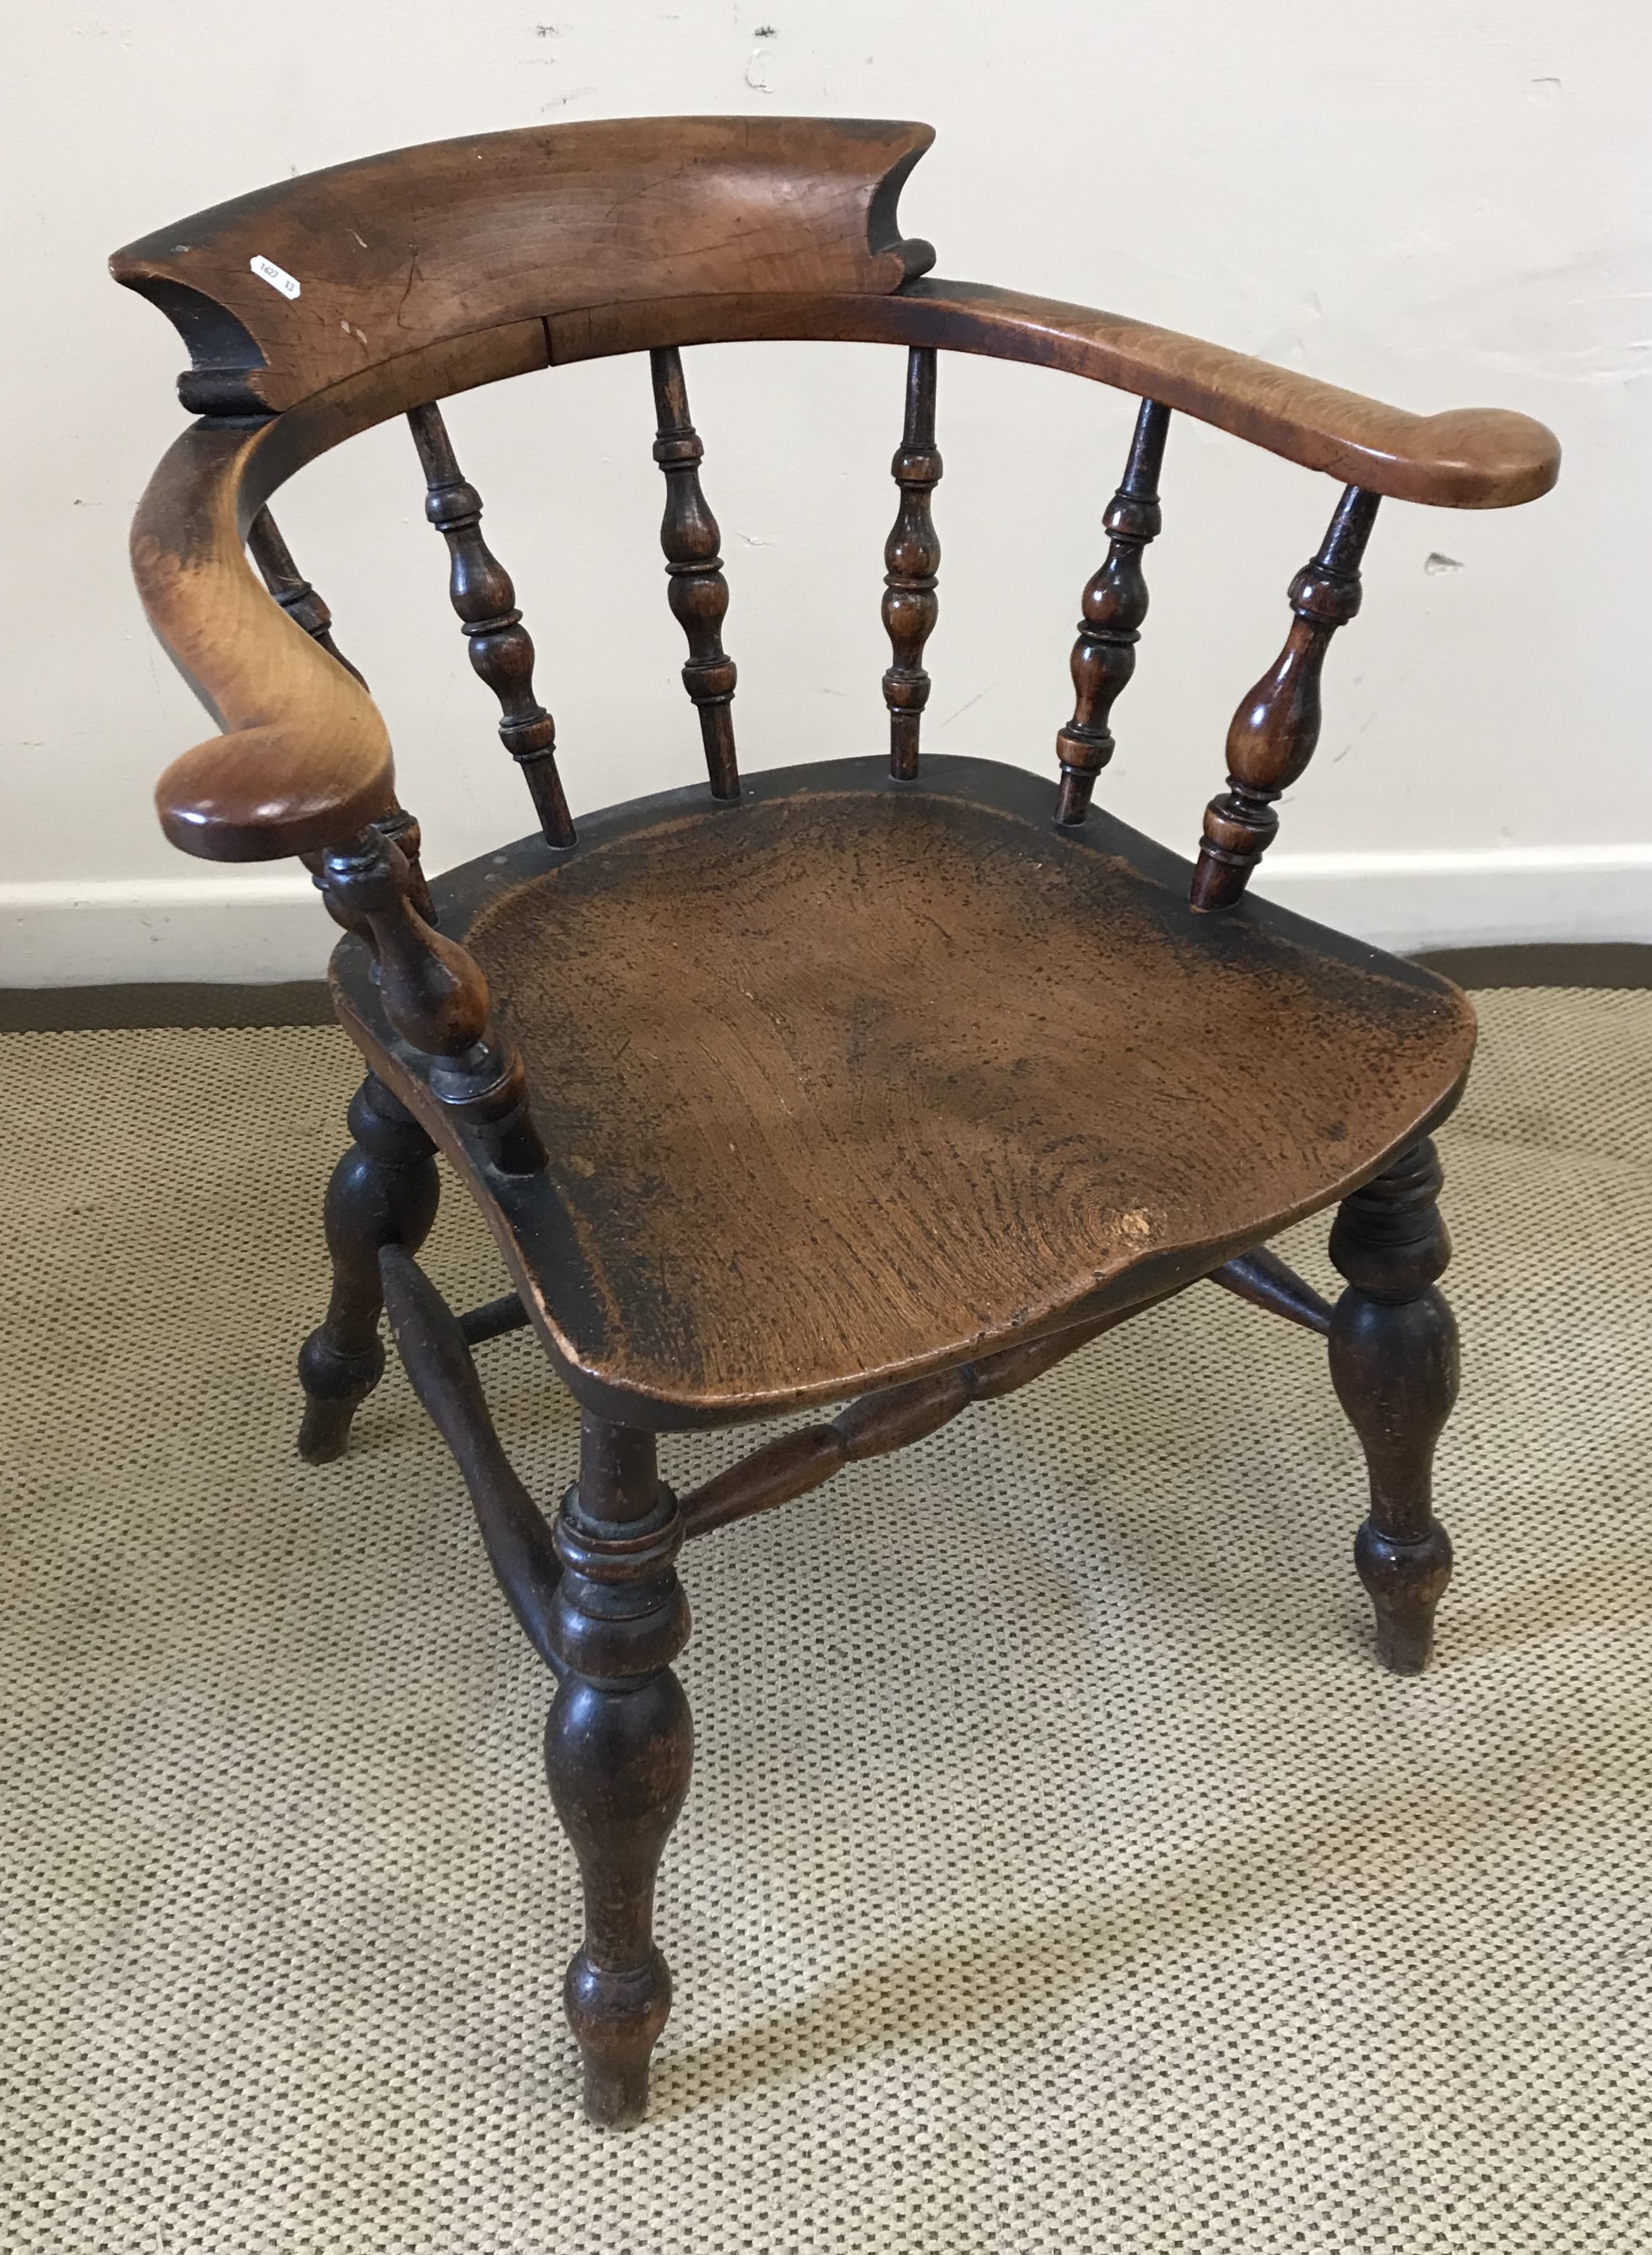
383, 1192
1394, 1364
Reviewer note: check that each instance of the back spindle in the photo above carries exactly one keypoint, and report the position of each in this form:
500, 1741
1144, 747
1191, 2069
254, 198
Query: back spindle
501, 647
1274, 731
696, 589
911, 557
1114, 605
305, 606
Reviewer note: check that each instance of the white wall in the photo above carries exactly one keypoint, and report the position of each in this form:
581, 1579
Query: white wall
1438, 201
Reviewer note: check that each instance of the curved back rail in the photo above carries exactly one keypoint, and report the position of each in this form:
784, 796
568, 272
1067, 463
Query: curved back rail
314, 309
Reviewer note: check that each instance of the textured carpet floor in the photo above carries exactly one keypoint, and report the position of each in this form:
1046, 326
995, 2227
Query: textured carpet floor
1059, 1873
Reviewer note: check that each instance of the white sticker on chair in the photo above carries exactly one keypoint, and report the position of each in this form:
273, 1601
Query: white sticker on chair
276, 276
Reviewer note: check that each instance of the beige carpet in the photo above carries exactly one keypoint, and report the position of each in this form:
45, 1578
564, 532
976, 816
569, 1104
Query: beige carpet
1059, 1874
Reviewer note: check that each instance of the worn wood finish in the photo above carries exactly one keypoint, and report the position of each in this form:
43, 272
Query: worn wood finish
911, 559
1465, 458
698, 592
291, 590
847, 1002
1393, 1362
303, 603
501, 647
302, 758
1276, 728
1114, 605
618, 1747
383, 1192
421, 246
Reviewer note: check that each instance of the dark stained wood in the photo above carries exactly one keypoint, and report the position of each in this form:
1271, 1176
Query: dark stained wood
434, 996
493, 1319
911, 559
501, 647
1114, 605
698, 592
1267, 1282
1393, 1362
618, 1749
383, 1192
1275, 732
435, 1352
874, 1426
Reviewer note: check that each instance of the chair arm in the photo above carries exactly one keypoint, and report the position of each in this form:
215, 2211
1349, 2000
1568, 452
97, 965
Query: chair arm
1468, 458
304, 758
1465, 458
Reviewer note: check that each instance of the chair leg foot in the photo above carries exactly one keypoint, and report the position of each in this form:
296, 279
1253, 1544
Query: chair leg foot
1405, 1582
619, 1746
383, 1192
1394, 1363
324, 1430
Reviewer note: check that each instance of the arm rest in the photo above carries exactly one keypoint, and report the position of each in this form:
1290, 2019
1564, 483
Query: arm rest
304, 759
1469, 457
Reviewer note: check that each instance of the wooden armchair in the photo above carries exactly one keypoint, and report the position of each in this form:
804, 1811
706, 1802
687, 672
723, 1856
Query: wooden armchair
888, 1081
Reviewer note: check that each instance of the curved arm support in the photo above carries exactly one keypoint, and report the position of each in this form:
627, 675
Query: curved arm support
1468, 458
304, 759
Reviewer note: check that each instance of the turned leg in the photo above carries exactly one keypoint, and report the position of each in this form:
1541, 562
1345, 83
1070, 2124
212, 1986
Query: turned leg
618, 1745
383, 1192
1393, 1364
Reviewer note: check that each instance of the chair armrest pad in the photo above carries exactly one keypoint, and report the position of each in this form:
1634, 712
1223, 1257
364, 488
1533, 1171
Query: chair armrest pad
304, 758
1465, 458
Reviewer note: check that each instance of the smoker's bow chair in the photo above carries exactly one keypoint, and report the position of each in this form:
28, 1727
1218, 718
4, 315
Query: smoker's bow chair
885, 1081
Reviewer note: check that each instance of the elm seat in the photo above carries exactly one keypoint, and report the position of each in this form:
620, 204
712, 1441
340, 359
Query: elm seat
847, 1078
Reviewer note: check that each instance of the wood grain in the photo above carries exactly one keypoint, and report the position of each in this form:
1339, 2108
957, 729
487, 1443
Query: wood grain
851, 1080
1464, 458
304, 758
396, 252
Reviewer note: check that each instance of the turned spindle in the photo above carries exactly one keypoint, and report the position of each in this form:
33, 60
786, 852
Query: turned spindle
434, 996
306, 609
911, 557
1274, 731
1114, 605
696, 589
501, 647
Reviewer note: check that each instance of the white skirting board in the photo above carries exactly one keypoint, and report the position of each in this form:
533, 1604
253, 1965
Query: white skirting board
245, 928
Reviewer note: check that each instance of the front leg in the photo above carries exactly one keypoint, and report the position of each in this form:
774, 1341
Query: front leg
1394, 1363
618, 1749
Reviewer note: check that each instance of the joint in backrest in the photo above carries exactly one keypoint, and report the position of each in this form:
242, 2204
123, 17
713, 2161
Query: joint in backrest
290, 290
